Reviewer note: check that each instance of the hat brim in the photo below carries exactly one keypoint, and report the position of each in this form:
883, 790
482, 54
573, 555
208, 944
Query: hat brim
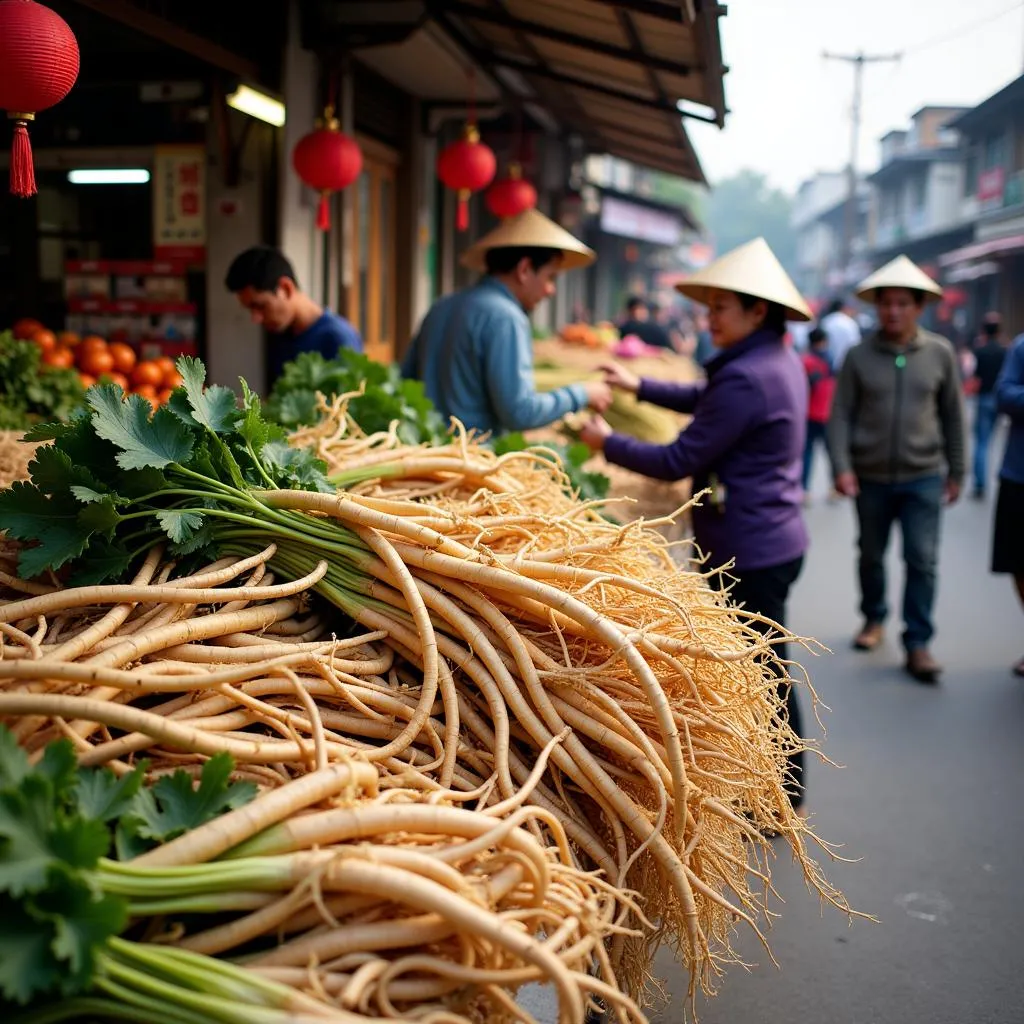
529, 230
871, 294
702, 293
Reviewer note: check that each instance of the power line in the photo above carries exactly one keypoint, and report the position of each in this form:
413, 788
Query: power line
959, 33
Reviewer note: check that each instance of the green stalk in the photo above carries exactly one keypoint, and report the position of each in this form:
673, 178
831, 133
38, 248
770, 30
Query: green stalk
122, 1005
212, 903
267, 874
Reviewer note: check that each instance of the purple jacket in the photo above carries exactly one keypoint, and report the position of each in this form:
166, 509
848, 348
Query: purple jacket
748, 430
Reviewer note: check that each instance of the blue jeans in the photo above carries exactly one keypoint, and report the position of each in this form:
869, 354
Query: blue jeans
984, 423
917, 504
815, 436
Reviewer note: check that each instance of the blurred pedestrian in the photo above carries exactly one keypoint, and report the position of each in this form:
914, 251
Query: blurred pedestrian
1008, 535
989, 356
822, 385
896, 438
638, 321
744, 444
474, 350
843, 331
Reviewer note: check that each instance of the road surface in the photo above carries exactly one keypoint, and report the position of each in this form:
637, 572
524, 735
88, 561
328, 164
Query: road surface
930, 799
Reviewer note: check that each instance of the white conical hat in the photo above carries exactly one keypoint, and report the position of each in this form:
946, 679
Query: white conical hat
899, 273
529, 229
754, 270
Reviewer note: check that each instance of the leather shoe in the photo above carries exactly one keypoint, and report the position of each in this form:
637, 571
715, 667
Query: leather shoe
869, 637
922, 666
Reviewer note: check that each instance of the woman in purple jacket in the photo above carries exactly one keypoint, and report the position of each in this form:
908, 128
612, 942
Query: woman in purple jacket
745, 443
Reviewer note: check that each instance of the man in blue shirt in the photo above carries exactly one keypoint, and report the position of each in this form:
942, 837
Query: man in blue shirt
474, 349
264, 281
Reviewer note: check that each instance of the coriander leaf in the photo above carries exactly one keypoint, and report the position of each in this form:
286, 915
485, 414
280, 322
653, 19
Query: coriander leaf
87, 494
26, 819
296, 467
28, 514
173, 805
255, 430
100, 516
27, 964
293, 408
201, 538
144, 441
53, 471
179, 524
14, 764
59, 767
79, 842
103, 560
214, 407
102, 796
83, 921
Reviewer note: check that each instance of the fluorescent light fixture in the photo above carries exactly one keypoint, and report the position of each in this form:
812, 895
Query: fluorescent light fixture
109, 176
257, 104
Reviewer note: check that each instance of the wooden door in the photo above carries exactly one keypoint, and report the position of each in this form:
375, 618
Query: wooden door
372, 298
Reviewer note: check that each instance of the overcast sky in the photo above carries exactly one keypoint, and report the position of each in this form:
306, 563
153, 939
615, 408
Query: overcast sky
791, 109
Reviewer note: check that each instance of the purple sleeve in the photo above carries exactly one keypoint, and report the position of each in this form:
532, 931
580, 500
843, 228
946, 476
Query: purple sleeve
678, 397
724, 414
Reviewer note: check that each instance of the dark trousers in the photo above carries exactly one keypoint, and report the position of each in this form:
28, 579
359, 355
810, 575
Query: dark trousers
815, 437
765, 592
917, 506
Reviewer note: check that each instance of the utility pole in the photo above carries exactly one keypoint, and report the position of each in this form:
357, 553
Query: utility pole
858, 60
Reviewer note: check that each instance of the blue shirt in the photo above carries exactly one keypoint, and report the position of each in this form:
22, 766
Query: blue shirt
328, 335
474, 355
1010, 399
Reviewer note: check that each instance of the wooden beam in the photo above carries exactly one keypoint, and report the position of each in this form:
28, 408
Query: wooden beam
498, 15
174, 35
664, 9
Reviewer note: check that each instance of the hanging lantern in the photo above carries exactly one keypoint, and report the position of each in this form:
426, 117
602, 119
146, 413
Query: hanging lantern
38, 67
466, 167
329, 161
511, 196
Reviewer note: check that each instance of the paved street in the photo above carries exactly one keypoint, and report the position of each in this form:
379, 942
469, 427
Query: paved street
929, 798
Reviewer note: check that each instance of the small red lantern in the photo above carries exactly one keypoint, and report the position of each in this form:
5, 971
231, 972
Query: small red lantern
38, 66
465, 167
511, 196
329, 161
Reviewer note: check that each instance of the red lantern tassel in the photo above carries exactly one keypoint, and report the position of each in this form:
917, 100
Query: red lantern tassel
323, 212
23, 176
462, 214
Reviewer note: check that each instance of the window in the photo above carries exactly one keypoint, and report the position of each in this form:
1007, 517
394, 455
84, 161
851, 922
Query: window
372, 298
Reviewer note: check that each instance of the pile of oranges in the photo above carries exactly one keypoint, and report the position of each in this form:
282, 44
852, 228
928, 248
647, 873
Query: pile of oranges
100, 361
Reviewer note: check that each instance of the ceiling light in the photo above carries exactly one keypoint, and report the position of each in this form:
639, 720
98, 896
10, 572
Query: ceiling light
257, 104
109, 176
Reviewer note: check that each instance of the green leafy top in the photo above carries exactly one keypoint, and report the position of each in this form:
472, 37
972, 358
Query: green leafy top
388, 397
119, 477
30, 390
56, 823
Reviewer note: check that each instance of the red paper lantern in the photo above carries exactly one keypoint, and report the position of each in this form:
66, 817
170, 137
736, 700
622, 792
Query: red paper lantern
329, 161
465, 167
38, 67
508, 197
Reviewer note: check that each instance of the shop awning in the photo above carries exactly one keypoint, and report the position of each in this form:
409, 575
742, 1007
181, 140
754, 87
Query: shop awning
983, 250
615, 73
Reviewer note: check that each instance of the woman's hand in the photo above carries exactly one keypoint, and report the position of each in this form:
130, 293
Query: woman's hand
619, 377
595, 432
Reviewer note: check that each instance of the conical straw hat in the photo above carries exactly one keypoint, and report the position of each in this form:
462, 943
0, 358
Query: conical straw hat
529, 229
754, 270
900, 273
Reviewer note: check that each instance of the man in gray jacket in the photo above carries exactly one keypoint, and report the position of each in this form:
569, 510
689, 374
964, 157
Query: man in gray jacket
896, 439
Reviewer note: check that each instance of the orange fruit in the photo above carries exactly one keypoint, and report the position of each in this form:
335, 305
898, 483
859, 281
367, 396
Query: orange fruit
166, 364
96, 361
87, 380
25, 328
69, 338
164, 396
45, 339
173, 380
113, 377
147, 373
124, 356
59, 357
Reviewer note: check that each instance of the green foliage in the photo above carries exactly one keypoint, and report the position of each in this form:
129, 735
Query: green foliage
30, 390
746, 206
57, 822
387, 397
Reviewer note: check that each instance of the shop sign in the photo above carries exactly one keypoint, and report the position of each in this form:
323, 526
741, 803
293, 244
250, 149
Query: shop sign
990, 187
631, 220
179, 203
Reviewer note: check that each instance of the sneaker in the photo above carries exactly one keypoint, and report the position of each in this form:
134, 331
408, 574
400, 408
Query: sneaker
922, 666
869, 637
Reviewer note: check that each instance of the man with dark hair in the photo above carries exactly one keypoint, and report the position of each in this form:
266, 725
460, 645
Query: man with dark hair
896, 438
989, 355
842, 330
638, 321
264, 281
474, 349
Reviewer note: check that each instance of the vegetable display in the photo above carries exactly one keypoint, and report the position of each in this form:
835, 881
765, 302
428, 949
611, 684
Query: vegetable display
32, 390
501, 646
